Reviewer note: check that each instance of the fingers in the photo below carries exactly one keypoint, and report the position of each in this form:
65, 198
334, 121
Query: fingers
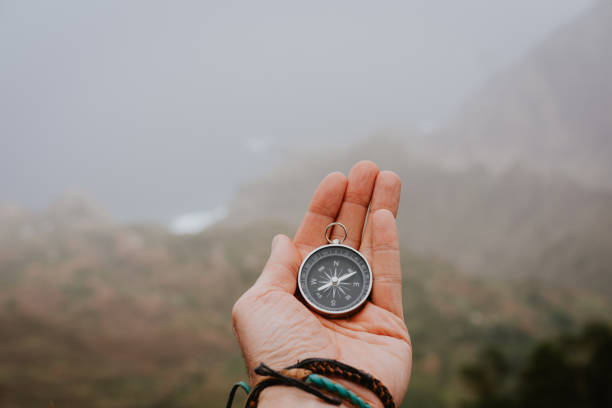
348, 200
282, 267
356, 201
387, 285
323, 209
386, 195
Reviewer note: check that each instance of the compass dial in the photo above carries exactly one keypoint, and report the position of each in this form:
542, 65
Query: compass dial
335, 280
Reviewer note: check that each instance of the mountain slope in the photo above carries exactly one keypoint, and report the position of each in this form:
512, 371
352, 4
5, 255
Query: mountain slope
97, 314
550, 111
515, 224
532, 195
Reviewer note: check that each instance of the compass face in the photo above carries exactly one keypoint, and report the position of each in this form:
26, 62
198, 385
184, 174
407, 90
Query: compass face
335, 280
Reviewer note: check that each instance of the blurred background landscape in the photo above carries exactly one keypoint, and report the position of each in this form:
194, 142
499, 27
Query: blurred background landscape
150, 151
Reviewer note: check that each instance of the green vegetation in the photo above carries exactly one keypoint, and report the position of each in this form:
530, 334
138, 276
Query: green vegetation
102, 315
570, 371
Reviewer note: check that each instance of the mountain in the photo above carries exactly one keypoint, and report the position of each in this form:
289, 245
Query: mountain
113, 315
551, 110
518, 184
512, 224
94, 313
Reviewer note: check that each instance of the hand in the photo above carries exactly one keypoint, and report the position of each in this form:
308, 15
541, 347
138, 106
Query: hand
274, 327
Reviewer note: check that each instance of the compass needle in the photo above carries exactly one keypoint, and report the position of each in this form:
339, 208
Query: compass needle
327, 285
348, 275
335, 280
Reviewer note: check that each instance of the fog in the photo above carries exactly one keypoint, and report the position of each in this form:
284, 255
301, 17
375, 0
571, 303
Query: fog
155, 109
201, 129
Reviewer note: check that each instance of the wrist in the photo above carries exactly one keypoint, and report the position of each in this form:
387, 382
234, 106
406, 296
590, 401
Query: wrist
281, 396
285, 396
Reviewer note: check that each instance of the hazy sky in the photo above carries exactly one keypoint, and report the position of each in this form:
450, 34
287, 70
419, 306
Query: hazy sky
156, 108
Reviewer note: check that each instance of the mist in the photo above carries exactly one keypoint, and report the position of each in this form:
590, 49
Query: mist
155, 109
150, 152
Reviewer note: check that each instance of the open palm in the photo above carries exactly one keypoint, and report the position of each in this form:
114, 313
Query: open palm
274, 327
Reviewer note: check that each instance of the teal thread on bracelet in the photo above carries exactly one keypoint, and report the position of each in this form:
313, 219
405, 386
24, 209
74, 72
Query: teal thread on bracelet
316, 380
240, 384
329, 385
246, 387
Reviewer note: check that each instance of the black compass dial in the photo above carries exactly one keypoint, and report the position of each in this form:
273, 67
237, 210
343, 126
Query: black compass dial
335, 279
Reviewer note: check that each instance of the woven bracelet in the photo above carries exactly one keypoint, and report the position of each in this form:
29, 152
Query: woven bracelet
310, 375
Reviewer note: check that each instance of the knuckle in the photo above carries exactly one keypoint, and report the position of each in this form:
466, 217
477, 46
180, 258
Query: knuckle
382, 247
283, 269
390, 278
239, 307
359, 198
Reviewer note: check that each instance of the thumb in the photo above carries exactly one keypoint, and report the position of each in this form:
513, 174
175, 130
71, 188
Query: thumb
282, 267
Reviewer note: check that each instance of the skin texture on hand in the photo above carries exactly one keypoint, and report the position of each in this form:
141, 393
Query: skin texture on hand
274, 327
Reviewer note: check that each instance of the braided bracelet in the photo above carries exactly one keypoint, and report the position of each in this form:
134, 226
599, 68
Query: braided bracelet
308, 375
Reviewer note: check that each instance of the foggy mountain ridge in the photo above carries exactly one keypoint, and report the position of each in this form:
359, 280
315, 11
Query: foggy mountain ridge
515, 224
72, 208
519, 221
506, 236
551, 111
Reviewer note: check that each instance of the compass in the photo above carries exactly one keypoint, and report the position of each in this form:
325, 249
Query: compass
335, 280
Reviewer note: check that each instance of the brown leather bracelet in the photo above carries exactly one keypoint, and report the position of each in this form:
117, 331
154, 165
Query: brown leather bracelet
327, 367
336, 368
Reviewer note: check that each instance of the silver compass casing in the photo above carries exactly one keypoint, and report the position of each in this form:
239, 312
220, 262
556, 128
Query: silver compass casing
328, 312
